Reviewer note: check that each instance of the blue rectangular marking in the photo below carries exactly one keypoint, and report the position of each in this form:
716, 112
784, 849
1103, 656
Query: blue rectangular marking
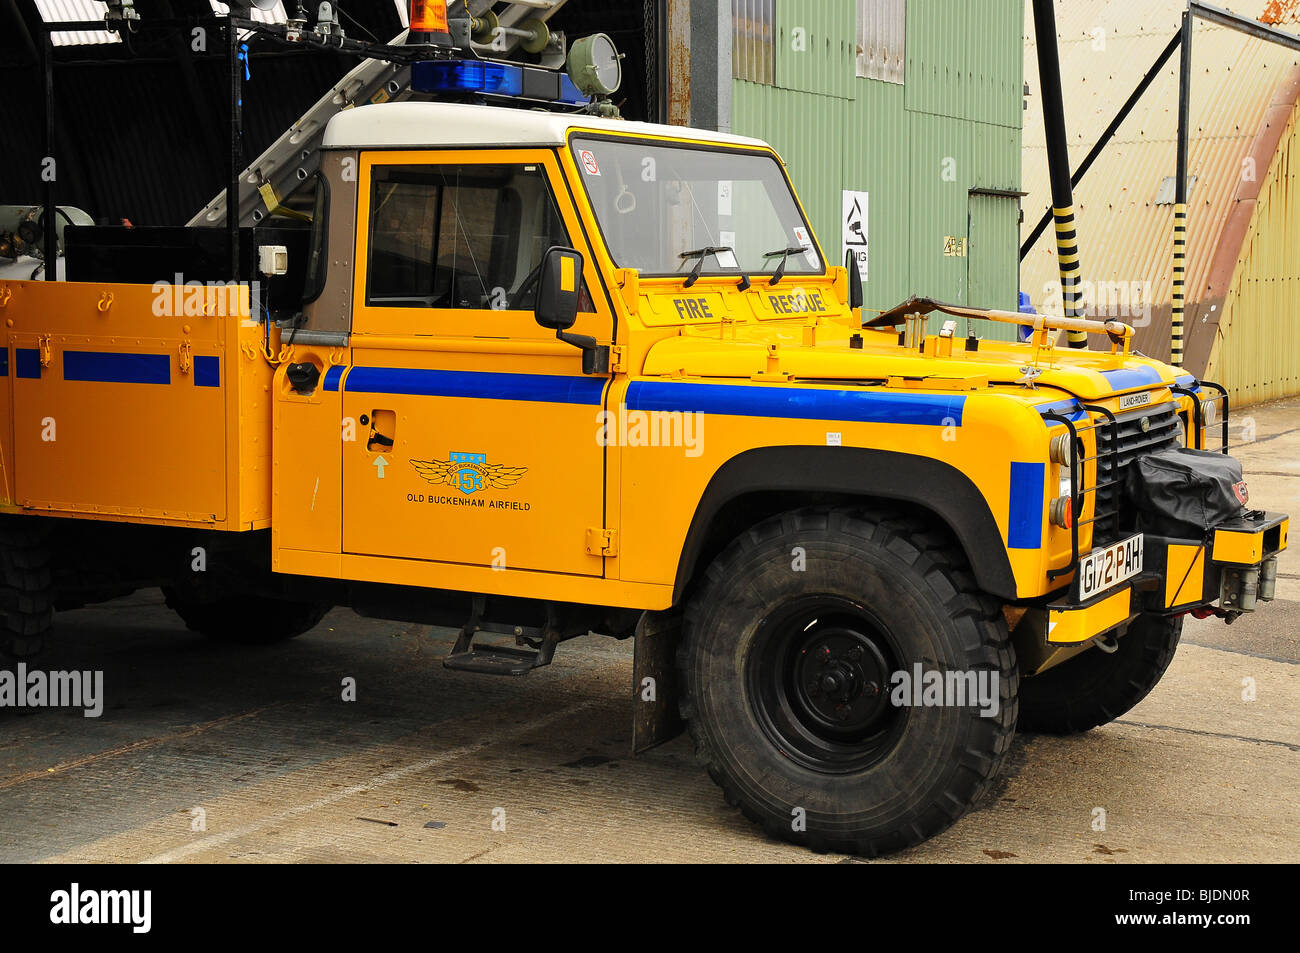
332, 378
103, 367
207, 372
798, 403
28, 362
4, 362
1025, 515
1132, 378
540, 388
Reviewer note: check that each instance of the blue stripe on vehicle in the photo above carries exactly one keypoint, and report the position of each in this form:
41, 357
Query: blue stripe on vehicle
4, 362
801, 403
102, 367
207, 372
28, 361
1132, 378
1025, 515
332, 378
542, 388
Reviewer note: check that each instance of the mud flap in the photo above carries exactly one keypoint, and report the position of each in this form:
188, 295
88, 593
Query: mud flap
655, 718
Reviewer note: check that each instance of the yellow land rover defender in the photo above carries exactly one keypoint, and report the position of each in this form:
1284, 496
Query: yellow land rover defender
534, 375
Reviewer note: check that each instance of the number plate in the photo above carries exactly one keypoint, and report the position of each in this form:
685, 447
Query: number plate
1104, 569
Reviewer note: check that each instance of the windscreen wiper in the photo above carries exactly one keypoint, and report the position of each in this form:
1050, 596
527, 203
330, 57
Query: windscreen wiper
785, 254
700, 254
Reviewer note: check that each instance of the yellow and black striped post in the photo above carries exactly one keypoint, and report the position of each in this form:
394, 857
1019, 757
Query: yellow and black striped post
1058, 164
1179, 285
1067, 255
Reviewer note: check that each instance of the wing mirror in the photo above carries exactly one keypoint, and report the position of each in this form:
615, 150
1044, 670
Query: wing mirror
559, 283
855, 280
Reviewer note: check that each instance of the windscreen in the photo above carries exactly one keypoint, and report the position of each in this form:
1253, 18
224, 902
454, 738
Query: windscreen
661, 208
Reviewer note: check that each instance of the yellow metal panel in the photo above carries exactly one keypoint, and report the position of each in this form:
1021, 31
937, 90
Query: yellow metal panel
510, 582
1184, 575
1073, 626
1234, 547
307, 483
117, 410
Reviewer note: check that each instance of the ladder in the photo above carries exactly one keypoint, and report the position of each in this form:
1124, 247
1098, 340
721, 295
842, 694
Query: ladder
295, 156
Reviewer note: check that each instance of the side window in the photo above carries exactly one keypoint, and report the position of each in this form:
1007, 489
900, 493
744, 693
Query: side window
459, 236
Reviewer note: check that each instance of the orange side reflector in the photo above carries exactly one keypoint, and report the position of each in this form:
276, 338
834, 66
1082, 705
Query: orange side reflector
428, 16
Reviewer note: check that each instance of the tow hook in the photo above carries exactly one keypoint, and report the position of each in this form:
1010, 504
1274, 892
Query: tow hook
1106, 644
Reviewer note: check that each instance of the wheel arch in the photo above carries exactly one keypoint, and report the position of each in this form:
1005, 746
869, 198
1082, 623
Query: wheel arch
759, 483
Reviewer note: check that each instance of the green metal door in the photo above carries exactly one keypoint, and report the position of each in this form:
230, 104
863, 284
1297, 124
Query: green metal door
992, 258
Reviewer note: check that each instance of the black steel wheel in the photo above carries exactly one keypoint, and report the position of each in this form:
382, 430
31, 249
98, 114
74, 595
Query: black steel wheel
818, 676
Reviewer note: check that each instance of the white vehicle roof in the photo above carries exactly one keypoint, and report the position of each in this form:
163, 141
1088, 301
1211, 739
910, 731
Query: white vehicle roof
424, 125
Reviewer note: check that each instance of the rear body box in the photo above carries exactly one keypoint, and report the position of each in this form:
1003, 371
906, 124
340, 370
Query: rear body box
135, 402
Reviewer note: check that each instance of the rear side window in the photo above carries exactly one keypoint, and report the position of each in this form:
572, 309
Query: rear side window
466, 237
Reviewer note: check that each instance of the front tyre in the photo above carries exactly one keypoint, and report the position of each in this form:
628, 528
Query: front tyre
792, 645
1095, 688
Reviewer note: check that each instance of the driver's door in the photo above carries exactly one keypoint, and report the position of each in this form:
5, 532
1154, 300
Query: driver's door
476, 431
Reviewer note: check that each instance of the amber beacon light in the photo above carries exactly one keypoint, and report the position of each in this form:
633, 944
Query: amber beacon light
429, 17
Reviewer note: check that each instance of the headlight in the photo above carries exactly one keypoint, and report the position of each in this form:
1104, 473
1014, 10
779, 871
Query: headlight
1065, 482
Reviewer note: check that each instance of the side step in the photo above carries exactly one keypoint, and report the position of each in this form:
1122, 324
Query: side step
502, 659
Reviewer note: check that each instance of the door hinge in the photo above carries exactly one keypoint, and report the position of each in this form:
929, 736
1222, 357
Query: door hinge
618, 359
602, 542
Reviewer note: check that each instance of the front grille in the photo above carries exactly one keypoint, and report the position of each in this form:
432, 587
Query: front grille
1118, 445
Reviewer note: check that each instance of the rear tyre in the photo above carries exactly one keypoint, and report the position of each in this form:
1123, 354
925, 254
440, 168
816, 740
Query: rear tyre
1096, 688
26, 586
791, 643
247, 619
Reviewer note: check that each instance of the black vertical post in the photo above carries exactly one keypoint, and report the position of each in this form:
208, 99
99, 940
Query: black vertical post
236, 149
1058, 164
1179, 287
48, 175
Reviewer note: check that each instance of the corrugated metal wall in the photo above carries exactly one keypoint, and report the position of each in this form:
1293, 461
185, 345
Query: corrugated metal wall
1257, 354
918, 148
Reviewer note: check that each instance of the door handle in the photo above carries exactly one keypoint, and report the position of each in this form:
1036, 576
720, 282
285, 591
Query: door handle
383, 430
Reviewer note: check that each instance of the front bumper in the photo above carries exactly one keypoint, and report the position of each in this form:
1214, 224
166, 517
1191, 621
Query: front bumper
1228, 573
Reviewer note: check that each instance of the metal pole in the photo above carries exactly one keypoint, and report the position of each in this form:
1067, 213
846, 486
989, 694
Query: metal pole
236, 149
1058, 161
50, 172
1180, 198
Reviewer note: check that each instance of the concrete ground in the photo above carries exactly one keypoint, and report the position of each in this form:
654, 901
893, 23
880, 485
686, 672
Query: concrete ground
215, 754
